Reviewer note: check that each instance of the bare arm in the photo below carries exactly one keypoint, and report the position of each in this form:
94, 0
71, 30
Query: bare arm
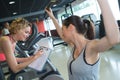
55, 21
11, 59
111, 28
21, 60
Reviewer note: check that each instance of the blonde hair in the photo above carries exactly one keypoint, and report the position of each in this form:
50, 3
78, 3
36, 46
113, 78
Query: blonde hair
18, 24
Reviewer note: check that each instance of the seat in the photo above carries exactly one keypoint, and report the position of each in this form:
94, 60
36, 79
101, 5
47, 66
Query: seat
53, 77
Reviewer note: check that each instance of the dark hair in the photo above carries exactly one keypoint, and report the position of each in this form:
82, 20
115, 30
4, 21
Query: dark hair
84, 27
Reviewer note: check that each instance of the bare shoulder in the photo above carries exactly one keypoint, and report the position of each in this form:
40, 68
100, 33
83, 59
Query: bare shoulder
4, 40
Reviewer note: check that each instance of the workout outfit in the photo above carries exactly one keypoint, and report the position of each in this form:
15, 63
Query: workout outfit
79, 69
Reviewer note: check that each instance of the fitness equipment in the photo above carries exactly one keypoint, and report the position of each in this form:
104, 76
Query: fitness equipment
49, 72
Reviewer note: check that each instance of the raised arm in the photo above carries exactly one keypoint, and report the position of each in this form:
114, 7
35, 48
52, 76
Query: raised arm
112, 36
55, 21
110, 23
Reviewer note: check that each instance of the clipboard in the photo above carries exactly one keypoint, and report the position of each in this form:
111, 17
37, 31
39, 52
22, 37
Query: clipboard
46, 45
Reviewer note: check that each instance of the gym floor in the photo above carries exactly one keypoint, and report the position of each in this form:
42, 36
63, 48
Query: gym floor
109, 66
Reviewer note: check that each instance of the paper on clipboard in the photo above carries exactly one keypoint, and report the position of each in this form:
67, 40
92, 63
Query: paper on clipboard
46, 45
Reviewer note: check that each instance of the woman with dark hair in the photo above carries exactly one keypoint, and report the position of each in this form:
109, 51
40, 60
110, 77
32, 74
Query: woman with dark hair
84, 61
87, 27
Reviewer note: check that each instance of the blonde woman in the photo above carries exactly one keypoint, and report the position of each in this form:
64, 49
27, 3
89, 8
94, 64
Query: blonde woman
19, 30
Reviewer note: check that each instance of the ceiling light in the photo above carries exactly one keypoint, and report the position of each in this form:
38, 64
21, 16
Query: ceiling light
11, 2
14, 13
54, 5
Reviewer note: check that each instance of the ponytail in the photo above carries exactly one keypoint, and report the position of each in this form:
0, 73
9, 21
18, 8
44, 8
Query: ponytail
90, 32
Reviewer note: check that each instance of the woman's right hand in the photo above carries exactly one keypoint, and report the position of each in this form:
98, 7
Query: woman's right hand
49, 12
38, 54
